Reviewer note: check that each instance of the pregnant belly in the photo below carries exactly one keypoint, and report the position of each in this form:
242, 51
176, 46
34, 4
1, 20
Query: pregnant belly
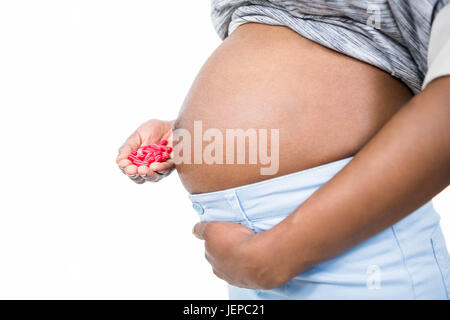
308, 105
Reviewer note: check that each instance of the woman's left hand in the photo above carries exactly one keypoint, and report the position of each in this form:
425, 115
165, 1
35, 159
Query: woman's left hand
231, 251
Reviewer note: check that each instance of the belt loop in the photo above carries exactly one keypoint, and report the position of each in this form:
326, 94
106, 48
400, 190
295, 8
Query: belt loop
233, 199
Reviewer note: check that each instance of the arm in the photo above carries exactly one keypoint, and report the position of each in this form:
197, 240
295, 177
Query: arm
401, 168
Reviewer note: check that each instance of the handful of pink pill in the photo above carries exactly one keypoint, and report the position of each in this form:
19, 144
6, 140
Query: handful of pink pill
146, 155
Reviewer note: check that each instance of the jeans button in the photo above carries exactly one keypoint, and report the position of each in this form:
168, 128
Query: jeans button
198, 207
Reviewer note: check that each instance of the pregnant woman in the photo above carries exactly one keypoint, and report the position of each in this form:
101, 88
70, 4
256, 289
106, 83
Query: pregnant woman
358, 93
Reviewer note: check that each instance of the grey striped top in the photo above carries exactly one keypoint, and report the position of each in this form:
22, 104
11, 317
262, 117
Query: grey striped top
392, 35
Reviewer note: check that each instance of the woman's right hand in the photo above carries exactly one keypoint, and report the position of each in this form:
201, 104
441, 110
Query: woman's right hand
149, 132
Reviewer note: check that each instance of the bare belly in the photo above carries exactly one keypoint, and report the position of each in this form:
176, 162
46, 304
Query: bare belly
325, 105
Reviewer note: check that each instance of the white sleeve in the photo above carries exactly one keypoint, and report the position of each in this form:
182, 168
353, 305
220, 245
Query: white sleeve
439, 47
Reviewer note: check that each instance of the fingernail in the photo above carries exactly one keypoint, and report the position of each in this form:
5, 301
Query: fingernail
134, 176
154, 165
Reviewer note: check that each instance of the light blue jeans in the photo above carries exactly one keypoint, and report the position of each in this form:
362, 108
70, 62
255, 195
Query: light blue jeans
408, 260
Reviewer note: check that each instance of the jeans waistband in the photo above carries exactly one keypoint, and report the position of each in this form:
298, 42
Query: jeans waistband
276, 197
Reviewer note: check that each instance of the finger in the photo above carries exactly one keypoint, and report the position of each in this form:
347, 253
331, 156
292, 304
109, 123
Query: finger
132, 143
153, 176
138, 180
147, 175
123, 164
164, 168
134, 177
131, 170
159, 170
200, 230
124, 152
142, 171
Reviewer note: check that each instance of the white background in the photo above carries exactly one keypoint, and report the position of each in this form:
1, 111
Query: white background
76, 78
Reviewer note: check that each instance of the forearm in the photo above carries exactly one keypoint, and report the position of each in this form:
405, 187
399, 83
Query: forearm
400, 169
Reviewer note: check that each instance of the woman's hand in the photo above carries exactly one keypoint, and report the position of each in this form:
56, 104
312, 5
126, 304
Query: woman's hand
237, 256
150, 132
